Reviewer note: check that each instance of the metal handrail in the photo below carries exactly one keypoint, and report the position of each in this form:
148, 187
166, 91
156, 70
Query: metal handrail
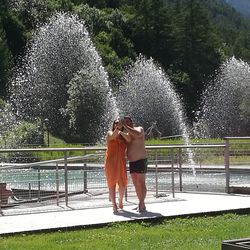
11, 150
101, 149
227, 157
237, 138
41, 163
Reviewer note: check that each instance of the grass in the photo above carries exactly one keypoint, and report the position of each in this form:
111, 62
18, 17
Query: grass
210, 156
192, 233
181, 141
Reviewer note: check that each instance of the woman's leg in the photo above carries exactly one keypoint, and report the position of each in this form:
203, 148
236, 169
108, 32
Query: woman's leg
112, 197
122, 189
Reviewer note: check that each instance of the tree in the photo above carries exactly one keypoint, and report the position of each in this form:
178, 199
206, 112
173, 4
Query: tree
6, 63
197, 51
15, 33
90, 104
108, 30
151, 29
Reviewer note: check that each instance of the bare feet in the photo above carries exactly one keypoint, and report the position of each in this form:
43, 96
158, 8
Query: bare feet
120, 205
115, 209
141, 208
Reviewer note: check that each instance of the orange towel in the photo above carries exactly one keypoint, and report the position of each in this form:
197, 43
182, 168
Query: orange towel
115, 163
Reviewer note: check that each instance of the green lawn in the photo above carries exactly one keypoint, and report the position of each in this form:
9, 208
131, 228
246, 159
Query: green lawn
192, 233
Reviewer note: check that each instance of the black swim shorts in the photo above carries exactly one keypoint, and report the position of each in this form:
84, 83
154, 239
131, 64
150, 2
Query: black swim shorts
139, 166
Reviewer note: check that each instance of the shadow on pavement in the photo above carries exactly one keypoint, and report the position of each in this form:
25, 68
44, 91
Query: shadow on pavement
135, 215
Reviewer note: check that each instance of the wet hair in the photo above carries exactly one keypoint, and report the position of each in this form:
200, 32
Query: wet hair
128, 117
113, 125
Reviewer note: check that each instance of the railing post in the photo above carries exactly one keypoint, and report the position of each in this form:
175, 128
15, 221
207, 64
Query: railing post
85, 179
29, 191
57, 185
226, 162
66, 179
1, 212
156, 174
172, 168
180, 167
39, 184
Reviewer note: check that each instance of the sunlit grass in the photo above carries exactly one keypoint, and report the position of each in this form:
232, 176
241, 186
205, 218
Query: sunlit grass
182, 233
208, 156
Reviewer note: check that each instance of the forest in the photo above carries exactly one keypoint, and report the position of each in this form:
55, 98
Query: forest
189, 39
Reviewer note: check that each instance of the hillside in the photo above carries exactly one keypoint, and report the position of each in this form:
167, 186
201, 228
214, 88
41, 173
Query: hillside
224, 16
243, 6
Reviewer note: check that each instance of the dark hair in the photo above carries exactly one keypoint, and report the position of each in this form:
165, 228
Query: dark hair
128, 117
113, 125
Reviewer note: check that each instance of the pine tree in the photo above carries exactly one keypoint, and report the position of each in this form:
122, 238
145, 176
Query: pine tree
6, 63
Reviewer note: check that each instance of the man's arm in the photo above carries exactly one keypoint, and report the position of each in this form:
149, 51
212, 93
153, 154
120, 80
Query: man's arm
126, 136
136, 132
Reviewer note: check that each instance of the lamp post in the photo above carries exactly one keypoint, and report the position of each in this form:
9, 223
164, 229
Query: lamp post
46, 121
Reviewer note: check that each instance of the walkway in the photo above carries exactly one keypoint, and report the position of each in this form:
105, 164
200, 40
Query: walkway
72, 217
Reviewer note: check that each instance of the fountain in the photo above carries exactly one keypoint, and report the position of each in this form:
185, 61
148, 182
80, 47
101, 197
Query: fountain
57, 80
147, 94
61, 81
7, 119
225, 104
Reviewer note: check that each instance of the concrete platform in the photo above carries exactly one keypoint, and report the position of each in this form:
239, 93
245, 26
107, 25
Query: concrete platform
183, 204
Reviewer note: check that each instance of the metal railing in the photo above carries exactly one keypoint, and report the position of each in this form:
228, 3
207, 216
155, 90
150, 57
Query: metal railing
168, 165
229, 152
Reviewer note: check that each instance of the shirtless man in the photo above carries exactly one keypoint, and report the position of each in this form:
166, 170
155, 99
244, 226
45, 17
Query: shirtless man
137, 156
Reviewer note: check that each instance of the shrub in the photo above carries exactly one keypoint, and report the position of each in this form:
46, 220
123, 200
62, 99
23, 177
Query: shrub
22, 135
